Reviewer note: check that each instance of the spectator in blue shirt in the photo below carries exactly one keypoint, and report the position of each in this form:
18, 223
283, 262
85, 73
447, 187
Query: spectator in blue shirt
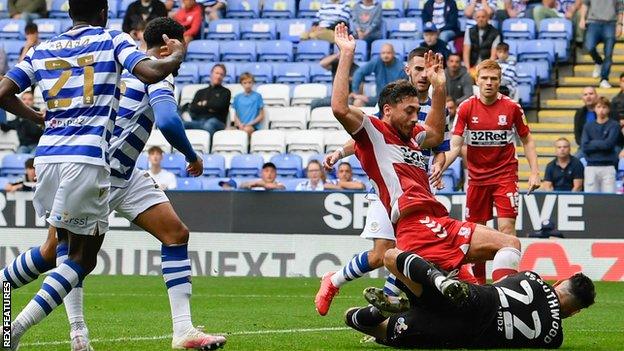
565, 172
387, 69
248, 106
584, 114
366, 20
598, 141
443, 14
433, 42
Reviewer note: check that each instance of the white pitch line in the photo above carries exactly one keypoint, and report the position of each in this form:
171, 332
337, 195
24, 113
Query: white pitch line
243, 296
162, 337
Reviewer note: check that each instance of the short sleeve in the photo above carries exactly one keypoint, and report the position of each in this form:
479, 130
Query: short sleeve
260, 101
126, 51
160, 91
23, 74
522, 127
459, 125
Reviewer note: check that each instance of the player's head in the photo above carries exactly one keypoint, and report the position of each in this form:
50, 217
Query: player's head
387, 53
590, 96
345, 172
603, 107
153, 34
562, 148
29, 167
488, 78
269, 172
575, 293
415, 69
28, 98
502, 51
399, 106
93, 12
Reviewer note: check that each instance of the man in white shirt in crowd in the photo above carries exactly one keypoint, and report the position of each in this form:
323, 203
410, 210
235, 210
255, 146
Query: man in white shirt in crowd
165, 179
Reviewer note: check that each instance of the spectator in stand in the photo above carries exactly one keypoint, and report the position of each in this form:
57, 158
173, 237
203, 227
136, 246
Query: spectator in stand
444, 15
513, 9
432, 42
190, 16
328, 16
32, 39
480, 42
267, 181
599, 141
141, 12
345, 178
137, 35
28, 182
564, 172
169, 5
474, 6
584, 114
330, 63
163, 178
458, 80
248, 106
387, 68
367, 20
617, 103
451, 107
548, 9
571, 9
507, 63
4, 62
28, 10
210, 106
317, 181
28, 132
602, 20
213, 9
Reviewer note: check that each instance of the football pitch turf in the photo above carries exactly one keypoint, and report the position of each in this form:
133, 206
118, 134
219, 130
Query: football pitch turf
132, 313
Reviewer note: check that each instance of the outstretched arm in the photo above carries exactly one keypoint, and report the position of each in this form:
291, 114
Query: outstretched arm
346, 150
436, 118
530, 153
456, 144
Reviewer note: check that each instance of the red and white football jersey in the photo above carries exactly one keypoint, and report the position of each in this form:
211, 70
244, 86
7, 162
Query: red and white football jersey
396, 168
489, 134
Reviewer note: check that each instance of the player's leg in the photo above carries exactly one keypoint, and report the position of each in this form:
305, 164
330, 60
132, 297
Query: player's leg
368, 320
28, 265
487, 244
479, 205
506, 200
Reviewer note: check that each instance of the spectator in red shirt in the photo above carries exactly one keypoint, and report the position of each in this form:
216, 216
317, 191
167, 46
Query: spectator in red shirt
190, 16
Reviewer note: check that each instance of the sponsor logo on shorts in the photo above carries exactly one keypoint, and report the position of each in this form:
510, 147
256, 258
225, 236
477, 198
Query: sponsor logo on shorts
465, 232
75, 221
400, 326
374, 227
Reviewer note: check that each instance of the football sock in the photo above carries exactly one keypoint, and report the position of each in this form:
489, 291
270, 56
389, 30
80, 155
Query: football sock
368, 316
176, 269
418, 270
357, 267
506, 262
73, 301
390, 288
25, 268
478, 269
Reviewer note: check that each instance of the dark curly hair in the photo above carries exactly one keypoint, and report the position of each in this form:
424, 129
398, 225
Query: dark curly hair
583, 290
86, 10
162, 25
395, 92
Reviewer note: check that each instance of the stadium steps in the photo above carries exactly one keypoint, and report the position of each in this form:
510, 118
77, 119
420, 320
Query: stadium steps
618, 49
556, 116
585, 81
544, 151
577, 92
563, 103
585, 58
547, 139
587, 70
550, 127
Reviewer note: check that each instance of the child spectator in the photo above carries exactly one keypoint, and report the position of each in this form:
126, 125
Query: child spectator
248, 106
29, 180
32, 39
507, 63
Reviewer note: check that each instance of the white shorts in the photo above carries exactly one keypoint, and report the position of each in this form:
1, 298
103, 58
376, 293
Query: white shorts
74, 196
141, 193
378, 225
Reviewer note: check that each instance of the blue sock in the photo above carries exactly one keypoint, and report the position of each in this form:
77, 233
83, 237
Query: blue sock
390, 287
73, 302
357, 267
176, 269
25, 268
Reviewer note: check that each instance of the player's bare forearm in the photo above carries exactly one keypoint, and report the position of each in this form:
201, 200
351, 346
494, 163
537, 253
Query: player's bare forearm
154, 71
531, 155
435, 122
456, 145
439, 159
348, 148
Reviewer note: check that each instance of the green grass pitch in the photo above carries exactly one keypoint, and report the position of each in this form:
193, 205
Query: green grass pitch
132, 313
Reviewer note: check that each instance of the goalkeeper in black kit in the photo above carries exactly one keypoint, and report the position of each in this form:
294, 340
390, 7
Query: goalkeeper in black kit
519, 311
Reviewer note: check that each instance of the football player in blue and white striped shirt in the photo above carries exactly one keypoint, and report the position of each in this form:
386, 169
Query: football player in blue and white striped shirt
78, 73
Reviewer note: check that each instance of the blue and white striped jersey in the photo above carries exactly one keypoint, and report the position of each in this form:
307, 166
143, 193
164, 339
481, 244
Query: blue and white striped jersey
509, 77
210, 2
134, 123
331, 14
425, 107
78, 73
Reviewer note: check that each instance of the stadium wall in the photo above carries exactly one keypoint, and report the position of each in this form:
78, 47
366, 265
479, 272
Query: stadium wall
288, 237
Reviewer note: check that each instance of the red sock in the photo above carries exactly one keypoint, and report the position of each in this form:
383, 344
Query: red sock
506, 262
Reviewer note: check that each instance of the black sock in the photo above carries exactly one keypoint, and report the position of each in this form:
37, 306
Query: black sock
416, 268
368, 316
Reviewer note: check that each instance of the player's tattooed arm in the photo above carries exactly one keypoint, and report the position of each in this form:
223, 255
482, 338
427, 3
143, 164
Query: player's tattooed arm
531, 155
350, 118
11, 103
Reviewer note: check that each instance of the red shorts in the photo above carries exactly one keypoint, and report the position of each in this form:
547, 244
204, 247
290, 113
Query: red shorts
443, 241
480, 200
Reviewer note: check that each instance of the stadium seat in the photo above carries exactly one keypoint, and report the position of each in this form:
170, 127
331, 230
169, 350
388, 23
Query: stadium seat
312, 50
513, 46
287, 117
229, 143
247, 165
223, 29
188, 92
356, 166
291, 30
275, 50
361, 51
397, 44
309, 8
200, 140
188, 73
318, 74
12, 29
527, 74
323, 118
291, 183
258, 29
305, 143
274, 94
203, 50
156, 138
555, 28
243, 9
335, 140
113, 24
519, 28
268, 143
536, 50
291, 73
262, 72
304, 94
562, 49
288, 165
212, 184
524, 95
60, 9
455, 168
620, 173
214, 165
404, 28
48, 28
113, 8
142, 161
449, 184
392, 8
13, 50
188, 184
174, 163
278, 9
4, 13
414, 8
234, 89
206, 67
13, 164
9, 140
238, 50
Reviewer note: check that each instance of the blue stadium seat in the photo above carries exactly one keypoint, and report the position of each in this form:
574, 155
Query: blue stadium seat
278, 9
413, 8
13, 49
113, 9
620, 173
4, 13
243, 9
275, 50
513, 46
288, 165
318, 74
188, 73
309, 8
392, 8
456, 168
562, 49
214, 165
4, 181
113, 24
258, 29
48, 28
13, 164
12, 29
238, 50
291, 73
404, 28
527, 74
247, 165
555, 28
206, 67
263, 72
312, 50
291, 183
449, 184
397, 44
59, 9
174, 163
291, 30
519, 28
409, 45
143, 161
188, 184
356, 166
123, 6
223, 29
212, 184
203, 50
524, 95
541, 53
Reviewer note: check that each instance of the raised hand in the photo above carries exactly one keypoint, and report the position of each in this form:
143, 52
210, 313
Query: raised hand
434, 69
174, 48
344, 40
195, 169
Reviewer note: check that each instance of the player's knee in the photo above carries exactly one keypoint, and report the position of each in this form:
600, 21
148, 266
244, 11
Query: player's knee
376, 258
390, 257
177, 234
512, 241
